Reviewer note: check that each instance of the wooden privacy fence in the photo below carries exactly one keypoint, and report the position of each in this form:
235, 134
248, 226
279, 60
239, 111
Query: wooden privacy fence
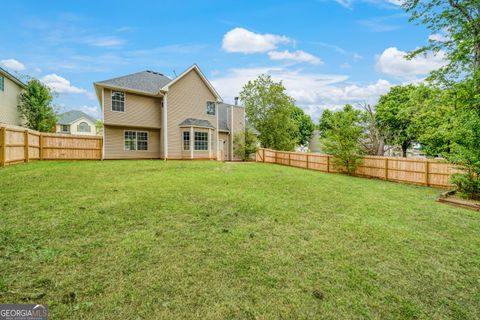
434, 173
19, 145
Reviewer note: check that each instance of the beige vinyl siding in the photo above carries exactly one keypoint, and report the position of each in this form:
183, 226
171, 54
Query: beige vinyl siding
9, 101
188, 98
238, 124
140, 111
114, 144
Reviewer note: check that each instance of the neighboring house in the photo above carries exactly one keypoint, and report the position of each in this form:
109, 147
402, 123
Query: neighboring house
148, 115
76, 122
10, 88
314, 144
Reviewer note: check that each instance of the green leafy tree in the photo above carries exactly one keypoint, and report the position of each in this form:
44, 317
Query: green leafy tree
35, 106
325, 121
99, 127
342, 137
457, 26
395, 117
304, 124
269, 109
245, 144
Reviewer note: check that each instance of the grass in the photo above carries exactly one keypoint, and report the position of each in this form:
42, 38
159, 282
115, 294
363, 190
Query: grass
171, 240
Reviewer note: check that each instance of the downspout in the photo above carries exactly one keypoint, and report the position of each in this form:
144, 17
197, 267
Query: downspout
231, 133
103, 127
165, 130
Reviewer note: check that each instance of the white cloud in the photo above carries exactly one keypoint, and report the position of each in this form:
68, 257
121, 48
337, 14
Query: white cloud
296, 56
245, 41
91, 111
104, 42
62, 85
12, 64
345, 3
313, 92
393, 62
438, 37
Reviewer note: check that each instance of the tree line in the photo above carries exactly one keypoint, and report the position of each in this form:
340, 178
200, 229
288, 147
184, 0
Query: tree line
441, 115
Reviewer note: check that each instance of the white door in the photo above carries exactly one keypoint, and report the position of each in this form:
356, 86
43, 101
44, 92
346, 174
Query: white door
221, 150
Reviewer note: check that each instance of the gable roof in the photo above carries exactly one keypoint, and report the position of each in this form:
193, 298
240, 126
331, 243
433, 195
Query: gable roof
202, 76
12, 77
191, 122
145, 81
72, 116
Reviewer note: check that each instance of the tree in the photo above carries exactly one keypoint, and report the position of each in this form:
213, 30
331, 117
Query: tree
395, 116
341, 138
99, 127
456, 24
35, 106
269, 109
305, 126
245, 144
374, 141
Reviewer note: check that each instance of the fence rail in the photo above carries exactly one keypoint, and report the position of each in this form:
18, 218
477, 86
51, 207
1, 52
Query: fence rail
434, 173
19, 145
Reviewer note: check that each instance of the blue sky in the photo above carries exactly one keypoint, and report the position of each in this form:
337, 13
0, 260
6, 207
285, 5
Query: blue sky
327, 52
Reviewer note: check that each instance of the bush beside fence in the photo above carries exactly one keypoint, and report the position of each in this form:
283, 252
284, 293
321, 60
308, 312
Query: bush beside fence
434, 173
18, 145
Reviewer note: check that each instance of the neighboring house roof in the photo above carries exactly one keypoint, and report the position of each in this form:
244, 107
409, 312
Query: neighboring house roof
12, 77
251, 128
191, 122
71, 116
146, 81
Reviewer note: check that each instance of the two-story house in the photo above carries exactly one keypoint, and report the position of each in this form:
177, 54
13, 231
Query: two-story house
76, 122
148, 115
10, 89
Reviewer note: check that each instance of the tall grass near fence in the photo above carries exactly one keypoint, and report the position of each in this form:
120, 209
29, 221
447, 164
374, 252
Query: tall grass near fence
434, 173
18, 145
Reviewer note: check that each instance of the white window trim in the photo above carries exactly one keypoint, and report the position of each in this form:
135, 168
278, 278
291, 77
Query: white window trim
214, 108
88, 125
124, 101
208, 142
189, 140
148, 141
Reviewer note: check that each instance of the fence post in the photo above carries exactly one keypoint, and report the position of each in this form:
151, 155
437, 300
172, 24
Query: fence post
289, 159
307, 159
276, 157
427, 173
101, 149
40, 141
3, 151
26, 156
386, 168
263, 158
328, 163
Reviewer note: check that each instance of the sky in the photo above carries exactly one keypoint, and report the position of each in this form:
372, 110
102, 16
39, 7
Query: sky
326, 52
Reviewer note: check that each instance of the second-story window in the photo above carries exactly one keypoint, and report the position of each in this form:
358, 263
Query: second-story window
118, 101
211, 108
2, 83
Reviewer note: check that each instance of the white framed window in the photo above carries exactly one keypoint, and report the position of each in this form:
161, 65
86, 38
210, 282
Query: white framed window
135, 140
186, 140
65, 128
211, 108
118, 101
201, 141
2, 83
84, 127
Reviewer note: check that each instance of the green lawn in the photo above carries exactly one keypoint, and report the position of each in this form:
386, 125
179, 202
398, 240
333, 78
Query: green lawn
154, 239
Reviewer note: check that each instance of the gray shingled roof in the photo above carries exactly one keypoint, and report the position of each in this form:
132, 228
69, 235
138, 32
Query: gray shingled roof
196, 123
146, 81
223, 117
71, 116
12, 77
